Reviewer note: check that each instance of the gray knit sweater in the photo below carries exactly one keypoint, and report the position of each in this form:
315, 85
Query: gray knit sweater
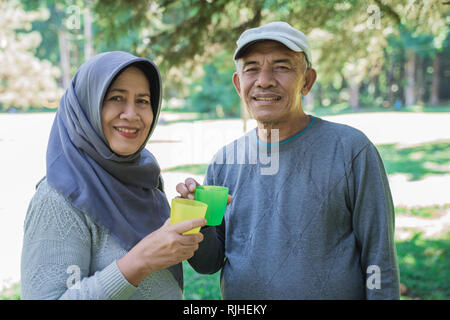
66, 255
319, 226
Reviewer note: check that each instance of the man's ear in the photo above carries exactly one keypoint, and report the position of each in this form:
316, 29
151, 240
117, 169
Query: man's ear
237, 83
310, 78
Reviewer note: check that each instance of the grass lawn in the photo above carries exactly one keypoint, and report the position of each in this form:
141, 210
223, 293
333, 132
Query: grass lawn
199, 286
424, 263
425, 267
417, 161
424, 271
198, 169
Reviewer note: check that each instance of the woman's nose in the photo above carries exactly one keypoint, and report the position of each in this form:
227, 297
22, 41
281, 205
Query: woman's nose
130, 112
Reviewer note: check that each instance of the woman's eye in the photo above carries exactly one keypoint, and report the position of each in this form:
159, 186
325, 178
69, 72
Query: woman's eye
116, 98
143, 101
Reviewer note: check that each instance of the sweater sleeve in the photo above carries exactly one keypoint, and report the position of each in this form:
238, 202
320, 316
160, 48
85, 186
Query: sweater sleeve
373, 224
209, 258
56, 255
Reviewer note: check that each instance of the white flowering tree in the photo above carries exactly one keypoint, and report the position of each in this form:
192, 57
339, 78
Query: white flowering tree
25, 80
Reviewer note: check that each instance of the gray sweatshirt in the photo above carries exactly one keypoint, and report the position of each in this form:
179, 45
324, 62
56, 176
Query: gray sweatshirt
313, 220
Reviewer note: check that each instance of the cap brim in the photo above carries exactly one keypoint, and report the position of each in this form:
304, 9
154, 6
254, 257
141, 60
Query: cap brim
291, 45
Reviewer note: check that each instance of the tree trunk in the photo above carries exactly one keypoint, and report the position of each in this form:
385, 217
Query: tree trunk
354, 95
88, 48
309, 101
420, 83
244, 116
64, 54
410, 66
390, 82
434, 95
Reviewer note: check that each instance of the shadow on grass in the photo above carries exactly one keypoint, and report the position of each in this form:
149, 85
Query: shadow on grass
425, 266
417, 161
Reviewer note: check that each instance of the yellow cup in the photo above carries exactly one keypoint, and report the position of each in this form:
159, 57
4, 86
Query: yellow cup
186, 209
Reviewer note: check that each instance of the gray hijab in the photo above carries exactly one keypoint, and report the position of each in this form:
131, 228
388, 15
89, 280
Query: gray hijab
122, 194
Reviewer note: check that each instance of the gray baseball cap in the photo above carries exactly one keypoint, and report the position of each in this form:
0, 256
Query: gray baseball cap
278, 31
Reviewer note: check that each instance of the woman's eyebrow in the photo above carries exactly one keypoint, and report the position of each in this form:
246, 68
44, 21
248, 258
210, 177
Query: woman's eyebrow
126, 91
119, 90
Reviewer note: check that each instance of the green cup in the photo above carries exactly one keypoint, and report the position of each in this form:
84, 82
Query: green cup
216, 199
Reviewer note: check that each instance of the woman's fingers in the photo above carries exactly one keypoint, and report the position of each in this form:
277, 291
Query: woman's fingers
187, 225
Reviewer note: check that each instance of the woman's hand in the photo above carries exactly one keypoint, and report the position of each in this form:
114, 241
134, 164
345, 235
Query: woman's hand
160, 249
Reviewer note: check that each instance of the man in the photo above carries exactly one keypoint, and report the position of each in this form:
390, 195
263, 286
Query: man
320, 226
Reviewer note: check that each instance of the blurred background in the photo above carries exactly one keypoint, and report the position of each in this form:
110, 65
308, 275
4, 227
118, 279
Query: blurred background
383, 67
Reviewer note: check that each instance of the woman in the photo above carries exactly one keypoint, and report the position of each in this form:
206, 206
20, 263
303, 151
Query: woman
98, 227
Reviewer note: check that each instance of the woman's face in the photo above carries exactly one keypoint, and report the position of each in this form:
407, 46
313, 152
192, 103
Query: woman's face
126, 112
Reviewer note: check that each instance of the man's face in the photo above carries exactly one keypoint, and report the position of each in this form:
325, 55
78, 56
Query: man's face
270, 81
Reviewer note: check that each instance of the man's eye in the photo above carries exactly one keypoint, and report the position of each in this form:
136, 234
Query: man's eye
282, 68
143, 101
251, 70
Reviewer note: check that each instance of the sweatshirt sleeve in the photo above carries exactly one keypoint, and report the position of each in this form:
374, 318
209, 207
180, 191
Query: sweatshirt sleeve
56, 256
209, 258
374, 224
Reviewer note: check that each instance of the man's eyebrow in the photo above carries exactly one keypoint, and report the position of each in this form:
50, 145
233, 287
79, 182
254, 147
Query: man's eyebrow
285, 60
249, 63
282, 61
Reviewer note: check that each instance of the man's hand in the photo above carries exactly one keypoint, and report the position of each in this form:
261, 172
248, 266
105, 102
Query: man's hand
187, 190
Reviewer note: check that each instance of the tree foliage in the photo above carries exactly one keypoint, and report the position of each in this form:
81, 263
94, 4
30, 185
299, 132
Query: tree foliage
24, 79
192, 41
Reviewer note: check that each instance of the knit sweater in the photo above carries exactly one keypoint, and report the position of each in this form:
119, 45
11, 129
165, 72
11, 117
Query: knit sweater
318, 225
66, 255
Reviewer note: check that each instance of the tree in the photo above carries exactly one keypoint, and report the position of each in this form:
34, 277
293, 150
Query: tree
24, 80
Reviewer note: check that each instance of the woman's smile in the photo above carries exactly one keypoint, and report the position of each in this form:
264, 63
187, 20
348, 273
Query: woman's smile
127, 132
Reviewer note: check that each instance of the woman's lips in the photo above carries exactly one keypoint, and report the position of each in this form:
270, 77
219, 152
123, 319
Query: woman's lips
127, 132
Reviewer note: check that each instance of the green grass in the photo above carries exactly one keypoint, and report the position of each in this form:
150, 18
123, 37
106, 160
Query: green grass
434, 211
344, 108
424, 270
424, 263
11, 293
200, 287
417, 161
425, 266
198, 169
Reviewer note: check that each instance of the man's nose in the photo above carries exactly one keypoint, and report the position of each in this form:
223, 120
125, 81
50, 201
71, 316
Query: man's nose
266, 78
130, 112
